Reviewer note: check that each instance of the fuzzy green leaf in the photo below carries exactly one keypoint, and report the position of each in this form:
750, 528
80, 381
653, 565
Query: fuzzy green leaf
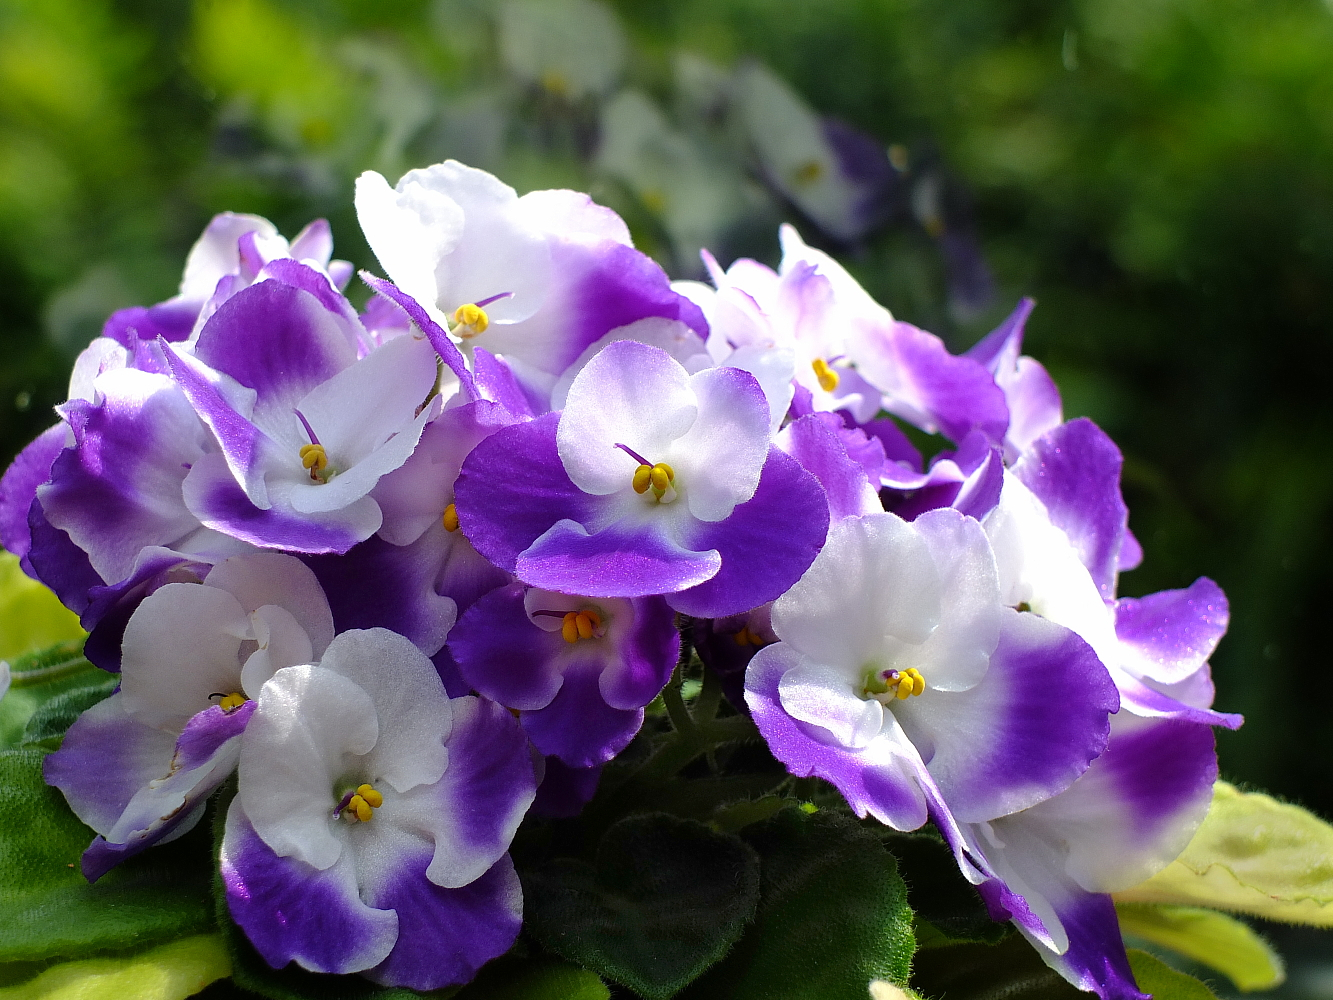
533, 979
47, 725
832, 917
47, 908
167, 972
947, 907
1010, 970
666, 899
1214, 939
1163, 982
1251, 854
39, 677
31, 617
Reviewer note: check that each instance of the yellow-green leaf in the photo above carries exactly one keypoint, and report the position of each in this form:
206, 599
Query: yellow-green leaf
1218, 941
168, 972
1162, 982
31, 617
1251, 854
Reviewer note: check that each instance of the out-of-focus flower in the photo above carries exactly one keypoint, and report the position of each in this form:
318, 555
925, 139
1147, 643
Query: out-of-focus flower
572, 49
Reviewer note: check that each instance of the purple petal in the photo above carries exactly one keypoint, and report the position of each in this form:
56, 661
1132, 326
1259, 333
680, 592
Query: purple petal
897, 446
110, 607
766, 544
378, 585
1026, 732
205, 755
623, 560
925, 384
1075, 471
496, 382
220, 503
1169, 635
1146, 700
1131, 552
999, 350
648, 654
172, 320
292, 911
278, 340
18, 488
503, 655
578, 726
513, 487
1096, 959
119, 488
815, 442
60, 564
565, 790
446, 935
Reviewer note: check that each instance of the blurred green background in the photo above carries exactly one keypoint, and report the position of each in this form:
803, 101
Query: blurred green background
1157, 173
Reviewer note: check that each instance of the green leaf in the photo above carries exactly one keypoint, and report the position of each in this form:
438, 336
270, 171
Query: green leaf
533, 979
47, 725
47, 908
31, 616
1218, 941
1251, 854
832, 915
1163, 982
168, 972
1010, 970
666, 899
947, 907
36, 678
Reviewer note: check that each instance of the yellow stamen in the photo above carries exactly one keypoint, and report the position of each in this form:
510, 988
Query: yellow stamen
909, 683
372, 797
745, 637
585, 624
361, 805
314, 458
360, 808
808, 172
450, 518
662, 476
643, 478
828, 378
233, 701
470, 320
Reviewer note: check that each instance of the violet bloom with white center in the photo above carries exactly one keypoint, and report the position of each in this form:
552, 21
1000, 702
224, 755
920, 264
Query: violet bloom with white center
305, 427
139, 766
372, 820
902, 679
651, 481
578, 671
533, 279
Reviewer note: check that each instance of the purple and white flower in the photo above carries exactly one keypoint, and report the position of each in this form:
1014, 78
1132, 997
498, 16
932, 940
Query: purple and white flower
370, 829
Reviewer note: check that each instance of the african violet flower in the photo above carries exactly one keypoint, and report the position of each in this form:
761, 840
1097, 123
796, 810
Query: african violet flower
372, 819
902, 679
138, 766
578, 671
650, 481
305, 427
533, 279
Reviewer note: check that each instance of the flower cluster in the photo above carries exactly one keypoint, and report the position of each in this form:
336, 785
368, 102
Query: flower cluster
413, 573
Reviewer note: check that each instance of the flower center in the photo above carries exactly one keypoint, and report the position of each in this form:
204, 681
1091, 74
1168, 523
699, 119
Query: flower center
659, 478
450, 518
745, 637
886, 685
229, 702
359, 806
828, 378
586, 624
314, 459
470, 320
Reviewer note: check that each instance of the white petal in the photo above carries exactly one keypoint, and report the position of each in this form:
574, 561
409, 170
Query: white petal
825, 697
263, 578
282, 643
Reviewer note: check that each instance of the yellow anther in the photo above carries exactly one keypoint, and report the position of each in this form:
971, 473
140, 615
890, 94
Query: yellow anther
643, 478
371, 797
556, 82
233, 701
450, 518
808, 172
314, 458
470, 320
360, 808
745, 637
828, 378
662, 476
910, 682
578, 625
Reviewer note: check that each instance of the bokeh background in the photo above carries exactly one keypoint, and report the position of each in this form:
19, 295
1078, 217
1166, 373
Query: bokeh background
1158, 174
